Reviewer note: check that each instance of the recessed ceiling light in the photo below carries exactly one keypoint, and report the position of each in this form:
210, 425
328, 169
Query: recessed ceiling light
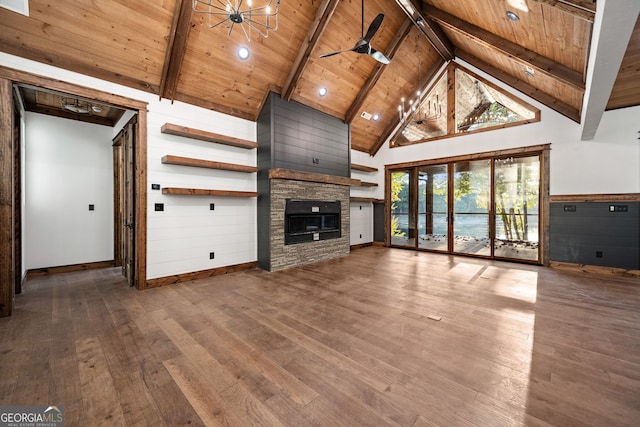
512, 16
529, 71
376, 117
322, 91
243, 52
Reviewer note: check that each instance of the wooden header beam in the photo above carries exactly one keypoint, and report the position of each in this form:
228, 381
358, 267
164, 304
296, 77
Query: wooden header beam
432, 32
176, 49
325, 11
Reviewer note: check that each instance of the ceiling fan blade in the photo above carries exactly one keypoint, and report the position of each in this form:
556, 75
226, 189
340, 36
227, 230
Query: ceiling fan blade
324, 55
373, 28
379, 56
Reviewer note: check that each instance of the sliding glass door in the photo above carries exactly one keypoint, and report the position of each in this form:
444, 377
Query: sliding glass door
471, 205
517, 194
403, 213
486, 207
433, 209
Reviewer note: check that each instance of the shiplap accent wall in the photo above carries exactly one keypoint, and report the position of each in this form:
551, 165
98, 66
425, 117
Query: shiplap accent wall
182, 236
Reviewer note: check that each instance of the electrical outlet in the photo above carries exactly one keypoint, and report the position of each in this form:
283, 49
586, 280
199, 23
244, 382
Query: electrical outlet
618, 208
155, 186
92, 207
212, 255
598, 254
159, 207
316, 161
212, 206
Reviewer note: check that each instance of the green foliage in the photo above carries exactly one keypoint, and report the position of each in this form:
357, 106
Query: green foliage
399, 184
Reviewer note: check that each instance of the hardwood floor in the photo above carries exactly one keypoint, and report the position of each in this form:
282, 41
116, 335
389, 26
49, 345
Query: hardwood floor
350, 342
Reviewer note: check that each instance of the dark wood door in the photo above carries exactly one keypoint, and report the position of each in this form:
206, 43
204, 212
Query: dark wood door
124, 198
7, 232
17, 198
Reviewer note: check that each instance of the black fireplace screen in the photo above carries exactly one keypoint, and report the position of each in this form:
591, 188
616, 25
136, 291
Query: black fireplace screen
309, 220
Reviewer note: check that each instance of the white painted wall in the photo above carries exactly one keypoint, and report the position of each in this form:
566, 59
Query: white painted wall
361, 225
68, 165
182, 236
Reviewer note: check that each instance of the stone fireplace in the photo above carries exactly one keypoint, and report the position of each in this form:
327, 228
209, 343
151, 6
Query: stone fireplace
282, 255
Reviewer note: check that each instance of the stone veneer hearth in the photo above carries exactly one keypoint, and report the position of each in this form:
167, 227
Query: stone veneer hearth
286, 256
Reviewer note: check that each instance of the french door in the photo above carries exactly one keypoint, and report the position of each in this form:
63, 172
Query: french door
486, 207
433, 209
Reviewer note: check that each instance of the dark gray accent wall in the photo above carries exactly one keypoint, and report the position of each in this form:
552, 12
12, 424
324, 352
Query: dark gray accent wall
378, 222
303, 139
590, 233
264, 187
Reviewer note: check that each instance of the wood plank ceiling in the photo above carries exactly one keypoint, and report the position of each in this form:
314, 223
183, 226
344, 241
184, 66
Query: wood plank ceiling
163, 47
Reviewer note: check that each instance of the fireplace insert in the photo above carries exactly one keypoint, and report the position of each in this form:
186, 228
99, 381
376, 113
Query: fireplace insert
309, 220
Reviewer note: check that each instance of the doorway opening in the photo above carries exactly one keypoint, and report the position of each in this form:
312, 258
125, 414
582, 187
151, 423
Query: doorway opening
11, 243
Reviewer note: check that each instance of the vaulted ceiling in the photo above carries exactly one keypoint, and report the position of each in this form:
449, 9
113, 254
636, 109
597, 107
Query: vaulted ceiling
163, 47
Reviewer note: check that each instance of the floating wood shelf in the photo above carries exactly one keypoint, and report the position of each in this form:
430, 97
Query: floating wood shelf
363, 168
311, 177
365, 200
199, 163
202, 135
368, 184
205, 192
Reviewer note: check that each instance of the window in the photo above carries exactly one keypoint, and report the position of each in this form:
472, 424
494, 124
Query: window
478, 106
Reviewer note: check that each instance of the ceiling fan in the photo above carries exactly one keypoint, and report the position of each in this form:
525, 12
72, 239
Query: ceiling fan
363, 45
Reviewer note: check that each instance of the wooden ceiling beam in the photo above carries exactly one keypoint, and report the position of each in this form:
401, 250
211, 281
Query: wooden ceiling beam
176, 49
528, 57
393, 47
325, 11
433, 33
520, 85
429, 75
584, 9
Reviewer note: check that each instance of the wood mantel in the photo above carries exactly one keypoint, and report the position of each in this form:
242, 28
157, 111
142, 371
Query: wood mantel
312, 177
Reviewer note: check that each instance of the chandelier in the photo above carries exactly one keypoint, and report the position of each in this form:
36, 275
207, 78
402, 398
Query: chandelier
231, 12
426, 108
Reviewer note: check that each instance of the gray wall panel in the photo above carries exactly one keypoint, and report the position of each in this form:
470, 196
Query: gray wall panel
580, 236
301, 134
263, 186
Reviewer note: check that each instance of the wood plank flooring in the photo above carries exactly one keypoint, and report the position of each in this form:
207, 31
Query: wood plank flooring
347, 342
